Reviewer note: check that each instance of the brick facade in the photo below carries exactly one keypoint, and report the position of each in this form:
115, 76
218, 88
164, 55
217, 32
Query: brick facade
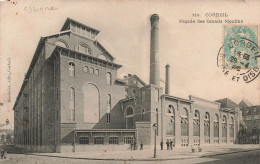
51, 110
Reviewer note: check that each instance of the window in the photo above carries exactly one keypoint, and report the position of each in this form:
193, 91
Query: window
108, 76
61, 44
170, 129
91, 70
128, 140
83, 49
72, 104
129, 111
108, 103
83, 140
113, 140
216, 126
108, 108
71, 69
129, 118
96, 72
231, 127
85, 69
108, 118
99, 140
184, 122
207, 125
252, 117
196, 124
224, 126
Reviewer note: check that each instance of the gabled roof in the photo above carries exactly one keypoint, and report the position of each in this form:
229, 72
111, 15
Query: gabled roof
136, 77
69, 20
227, 103
245, 103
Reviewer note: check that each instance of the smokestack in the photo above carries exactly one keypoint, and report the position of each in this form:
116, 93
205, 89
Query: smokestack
154, 51
167, 79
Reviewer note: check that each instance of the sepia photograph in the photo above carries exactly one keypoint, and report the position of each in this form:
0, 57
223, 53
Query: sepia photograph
129, 82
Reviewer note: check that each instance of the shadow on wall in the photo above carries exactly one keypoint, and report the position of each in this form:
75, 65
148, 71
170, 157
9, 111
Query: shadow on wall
117, 120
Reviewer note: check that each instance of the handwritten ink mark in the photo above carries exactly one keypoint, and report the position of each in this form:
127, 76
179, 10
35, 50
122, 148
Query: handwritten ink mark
34, 9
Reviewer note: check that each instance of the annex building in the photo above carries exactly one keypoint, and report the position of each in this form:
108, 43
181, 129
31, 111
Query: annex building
72, 100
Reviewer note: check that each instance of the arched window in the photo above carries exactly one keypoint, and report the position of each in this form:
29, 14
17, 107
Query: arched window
91, 70
85, 69
108, 108
108, 103
129, 111
72, 104
83, 49
231, 127
207, 125
170, 129
196, 123
216, 125
61, 44
71, 69
108, 76
224, 128
96, 72
129, 118
91, 103
184, 122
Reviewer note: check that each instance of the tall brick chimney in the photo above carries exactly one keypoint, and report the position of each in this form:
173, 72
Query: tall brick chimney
167, 79
154, 51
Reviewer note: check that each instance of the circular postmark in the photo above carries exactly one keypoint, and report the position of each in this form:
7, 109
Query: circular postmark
240, 64
238, 55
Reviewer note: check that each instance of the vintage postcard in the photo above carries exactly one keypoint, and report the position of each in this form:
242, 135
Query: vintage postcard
125, 81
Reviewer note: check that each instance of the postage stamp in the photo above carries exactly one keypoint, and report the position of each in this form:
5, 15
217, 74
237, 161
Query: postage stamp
240, 46
239, 54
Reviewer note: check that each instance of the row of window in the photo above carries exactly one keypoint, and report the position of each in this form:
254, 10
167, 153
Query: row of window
196, 124
100, 140
83, 31
89, 70
82, 48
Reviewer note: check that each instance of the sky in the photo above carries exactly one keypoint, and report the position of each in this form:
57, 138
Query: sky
190, 49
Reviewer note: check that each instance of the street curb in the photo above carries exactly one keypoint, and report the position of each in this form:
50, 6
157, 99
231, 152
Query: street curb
149, 159
211, 155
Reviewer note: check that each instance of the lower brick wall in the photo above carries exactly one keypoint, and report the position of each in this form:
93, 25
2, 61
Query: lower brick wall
143, 132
